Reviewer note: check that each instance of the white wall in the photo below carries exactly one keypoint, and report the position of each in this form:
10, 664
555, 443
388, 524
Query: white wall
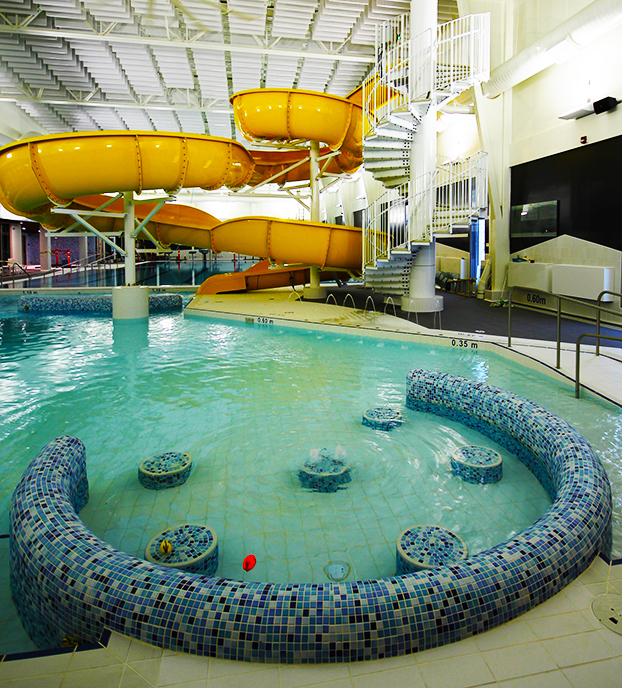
227, 207
459, 137
592, 74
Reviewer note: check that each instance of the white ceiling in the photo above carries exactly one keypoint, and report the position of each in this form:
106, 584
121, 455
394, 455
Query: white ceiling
171, 65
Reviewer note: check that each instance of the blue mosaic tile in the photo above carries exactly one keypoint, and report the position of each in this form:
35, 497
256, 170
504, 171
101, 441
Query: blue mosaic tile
193, 548
92, 304
383, 418
66, 582
164, 470
426, 547
477, 465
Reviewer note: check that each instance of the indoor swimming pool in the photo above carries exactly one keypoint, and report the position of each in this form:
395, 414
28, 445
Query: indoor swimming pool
149, 273
250, 404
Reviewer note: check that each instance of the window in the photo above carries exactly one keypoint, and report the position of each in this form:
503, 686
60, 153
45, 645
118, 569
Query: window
534, 220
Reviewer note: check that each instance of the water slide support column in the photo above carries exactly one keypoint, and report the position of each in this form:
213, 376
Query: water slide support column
130, 242
314, 291
421, 296
130, 302
45, 249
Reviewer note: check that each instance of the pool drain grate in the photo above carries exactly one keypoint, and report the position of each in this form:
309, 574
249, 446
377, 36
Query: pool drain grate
608, 610
337, 570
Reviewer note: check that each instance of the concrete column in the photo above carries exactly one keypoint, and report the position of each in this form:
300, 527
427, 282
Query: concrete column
494, 121
83, 249
45, 245
421, 296
314, 291
16, 244
130, 243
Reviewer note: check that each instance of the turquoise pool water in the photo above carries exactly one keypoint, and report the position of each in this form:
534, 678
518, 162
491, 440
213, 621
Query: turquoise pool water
251, 404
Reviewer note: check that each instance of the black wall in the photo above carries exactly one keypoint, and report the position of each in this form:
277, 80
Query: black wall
587, 182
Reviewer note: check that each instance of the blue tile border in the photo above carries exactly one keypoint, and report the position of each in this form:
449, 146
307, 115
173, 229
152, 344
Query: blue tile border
92, 304
67, 582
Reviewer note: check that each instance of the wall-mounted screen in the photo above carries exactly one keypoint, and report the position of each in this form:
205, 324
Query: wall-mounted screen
534, 220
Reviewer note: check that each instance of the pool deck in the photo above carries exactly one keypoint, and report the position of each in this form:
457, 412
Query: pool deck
601, 374
559, 644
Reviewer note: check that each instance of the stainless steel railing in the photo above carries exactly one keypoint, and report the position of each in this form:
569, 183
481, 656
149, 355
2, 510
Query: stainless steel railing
560, 299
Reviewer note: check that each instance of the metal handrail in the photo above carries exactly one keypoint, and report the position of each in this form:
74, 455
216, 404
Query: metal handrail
12, 267
577, 382
561, 298
598, 301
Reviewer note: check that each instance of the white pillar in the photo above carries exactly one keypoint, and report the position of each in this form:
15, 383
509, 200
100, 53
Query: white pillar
130, 303
314, 291
128, 231
16, 244
83, 249
45, 246
421, 294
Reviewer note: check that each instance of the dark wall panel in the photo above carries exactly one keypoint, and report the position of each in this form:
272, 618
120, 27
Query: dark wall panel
586, 181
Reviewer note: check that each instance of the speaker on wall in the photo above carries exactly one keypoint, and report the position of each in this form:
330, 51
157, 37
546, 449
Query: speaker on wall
604, 104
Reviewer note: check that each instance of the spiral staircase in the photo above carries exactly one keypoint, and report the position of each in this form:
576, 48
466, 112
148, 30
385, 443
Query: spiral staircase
412, 77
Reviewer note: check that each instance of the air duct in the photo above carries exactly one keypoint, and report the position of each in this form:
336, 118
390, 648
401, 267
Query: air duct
563, 42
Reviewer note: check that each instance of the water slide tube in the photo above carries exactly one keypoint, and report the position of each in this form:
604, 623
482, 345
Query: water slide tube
70, 170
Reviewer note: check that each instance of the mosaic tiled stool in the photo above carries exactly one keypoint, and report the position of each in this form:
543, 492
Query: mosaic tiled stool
194, 549
164, 470
324, 474
426, 546
383, 418
477, 464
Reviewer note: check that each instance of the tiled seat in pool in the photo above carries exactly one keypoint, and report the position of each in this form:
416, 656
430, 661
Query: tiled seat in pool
164, 470
477, 465
426, 547
191, 547
382, 418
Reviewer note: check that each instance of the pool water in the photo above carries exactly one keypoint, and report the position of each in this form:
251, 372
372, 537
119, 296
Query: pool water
251, 404
170, 273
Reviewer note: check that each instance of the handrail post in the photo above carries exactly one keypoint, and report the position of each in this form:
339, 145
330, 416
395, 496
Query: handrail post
598, 302
577, 368
510, 317
559, 333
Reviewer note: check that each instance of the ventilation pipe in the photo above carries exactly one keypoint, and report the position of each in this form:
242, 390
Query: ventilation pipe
560, 44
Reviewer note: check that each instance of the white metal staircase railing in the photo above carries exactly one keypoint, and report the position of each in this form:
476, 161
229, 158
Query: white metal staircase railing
450, 197
461, 192
386, 225
412, 75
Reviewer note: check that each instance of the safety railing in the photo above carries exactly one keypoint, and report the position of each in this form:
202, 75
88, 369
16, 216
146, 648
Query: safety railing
452, 61
598, 319
598, 337
12, 272
455, 193
560, 299
387, 89
461, 191
386, 225
431, 67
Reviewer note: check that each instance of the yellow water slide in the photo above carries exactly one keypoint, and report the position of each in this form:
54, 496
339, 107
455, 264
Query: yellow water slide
71, 170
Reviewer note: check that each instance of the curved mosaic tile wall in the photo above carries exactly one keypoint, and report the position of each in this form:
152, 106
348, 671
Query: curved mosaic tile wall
67, 582
100, 304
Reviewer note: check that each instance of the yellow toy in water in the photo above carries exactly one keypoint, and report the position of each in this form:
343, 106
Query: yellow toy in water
166, 547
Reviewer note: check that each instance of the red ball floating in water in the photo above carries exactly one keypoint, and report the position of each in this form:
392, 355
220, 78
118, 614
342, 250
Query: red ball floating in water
249, 562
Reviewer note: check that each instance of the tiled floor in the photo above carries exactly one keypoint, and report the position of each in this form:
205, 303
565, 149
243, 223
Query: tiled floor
559, 644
